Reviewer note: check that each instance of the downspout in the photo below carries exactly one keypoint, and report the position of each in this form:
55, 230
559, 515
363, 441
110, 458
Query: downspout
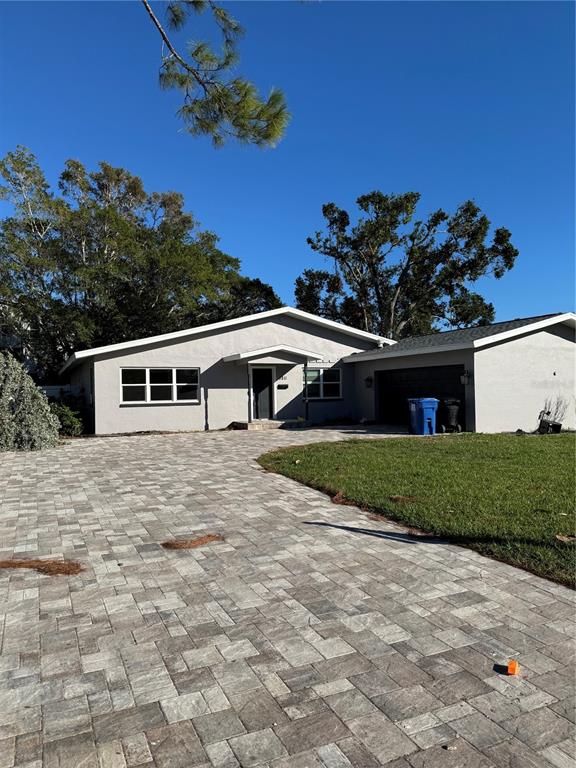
306, 404
249, 375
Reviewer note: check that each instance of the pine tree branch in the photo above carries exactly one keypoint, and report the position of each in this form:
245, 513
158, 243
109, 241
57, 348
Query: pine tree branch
183, 63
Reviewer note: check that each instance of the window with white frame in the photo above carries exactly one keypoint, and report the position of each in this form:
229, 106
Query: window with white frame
160, 385
323, 383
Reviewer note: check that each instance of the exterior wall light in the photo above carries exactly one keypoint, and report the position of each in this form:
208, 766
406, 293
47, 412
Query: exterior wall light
369, 381
466, 377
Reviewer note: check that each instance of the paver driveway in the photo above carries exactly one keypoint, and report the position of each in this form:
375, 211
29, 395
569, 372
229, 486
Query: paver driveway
289, 644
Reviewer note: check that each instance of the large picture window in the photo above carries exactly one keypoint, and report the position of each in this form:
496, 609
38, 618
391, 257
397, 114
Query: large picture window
323, 383
160, 385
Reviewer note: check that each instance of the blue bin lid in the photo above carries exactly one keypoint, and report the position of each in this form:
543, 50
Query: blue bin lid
428, 401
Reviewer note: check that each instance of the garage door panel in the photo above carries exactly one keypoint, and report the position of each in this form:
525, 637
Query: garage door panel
393, 388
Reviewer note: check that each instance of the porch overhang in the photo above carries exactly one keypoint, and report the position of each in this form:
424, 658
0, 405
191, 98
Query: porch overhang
281, 352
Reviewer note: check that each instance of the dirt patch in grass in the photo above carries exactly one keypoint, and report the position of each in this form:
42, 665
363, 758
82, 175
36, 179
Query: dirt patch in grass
47, 567
339, 498
199, 541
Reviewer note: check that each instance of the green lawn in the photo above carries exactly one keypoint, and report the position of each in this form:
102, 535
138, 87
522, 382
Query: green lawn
505, 496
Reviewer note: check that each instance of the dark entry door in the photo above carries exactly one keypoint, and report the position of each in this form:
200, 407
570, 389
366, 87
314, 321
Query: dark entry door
394, 387
262, 392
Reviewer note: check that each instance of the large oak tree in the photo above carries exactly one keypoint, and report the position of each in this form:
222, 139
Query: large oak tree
398, 275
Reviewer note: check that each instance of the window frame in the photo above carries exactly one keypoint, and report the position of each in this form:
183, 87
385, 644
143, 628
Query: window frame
149, 386
320, 382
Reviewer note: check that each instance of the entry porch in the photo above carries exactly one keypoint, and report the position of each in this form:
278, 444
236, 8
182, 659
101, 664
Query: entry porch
275, 385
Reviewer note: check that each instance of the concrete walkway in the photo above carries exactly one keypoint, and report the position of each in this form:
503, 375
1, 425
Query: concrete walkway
312, 636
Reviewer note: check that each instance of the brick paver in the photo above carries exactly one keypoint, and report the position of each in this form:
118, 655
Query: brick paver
287, 645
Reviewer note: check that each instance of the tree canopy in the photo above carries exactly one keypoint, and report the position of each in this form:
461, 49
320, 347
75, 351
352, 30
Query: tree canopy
101, 260
398, 275
216, 103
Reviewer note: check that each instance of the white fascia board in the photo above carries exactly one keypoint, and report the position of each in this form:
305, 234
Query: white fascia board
379, 355
568, 318
271, 350
289, 311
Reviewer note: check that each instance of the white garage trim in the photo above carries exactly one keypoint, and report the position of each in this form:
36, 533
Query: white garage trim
568, 318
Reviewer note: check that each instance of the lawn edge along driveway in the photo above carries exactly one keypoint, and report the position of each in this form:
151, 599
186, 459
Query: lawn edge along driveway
507, 497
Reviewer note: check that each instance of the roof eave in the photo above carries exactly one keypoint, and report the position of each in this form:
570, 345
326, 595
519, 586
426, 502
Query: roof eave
69, 363
289, 311
568, 318
385, 355
278, 349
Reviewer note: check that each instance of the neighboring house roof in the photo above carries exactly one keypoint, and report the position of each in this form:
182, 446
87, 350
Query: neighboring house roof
224, 325
466, 338
278, 349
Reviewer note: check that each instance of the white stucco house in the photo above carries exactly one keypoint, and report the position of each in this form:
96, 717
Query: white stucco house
285, 364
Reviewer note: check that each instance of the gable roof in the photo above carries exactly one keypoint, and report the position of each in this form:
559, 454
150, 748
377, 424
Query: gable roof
221, 326
466, 338
275, 350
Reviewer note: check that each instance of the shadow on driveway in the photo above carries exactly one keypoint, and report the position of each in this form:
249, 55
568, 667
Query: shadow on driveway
409, 538
430, 538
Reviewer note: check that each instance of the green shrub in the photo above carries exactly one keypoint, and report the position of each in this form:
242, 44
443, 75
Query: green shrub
70, 421
26, 421
74, 402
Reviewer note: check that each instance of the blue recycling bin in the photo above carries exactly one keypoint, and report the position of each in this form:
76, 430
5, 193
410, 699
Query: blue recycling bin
422, 415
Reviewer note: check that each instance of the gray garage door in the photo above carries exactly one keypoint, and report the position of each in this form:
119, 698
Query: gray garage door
394, 387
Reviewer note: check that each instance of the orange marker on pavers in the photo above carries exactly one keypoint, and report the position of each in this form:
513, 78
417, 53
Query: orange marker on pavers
513, 667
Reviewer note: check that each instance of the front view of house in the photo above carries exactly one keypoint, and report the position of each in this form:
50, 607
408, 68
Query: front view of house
286, 365
240, 370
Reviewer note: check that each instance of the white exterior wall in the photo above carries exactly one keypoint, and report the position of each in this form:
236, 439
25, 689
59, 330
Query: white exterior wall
224, 386
516, 379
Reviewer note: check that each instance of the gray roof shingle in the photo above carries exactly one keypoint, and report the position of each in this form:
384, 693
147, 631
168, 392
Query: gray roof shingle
457, 337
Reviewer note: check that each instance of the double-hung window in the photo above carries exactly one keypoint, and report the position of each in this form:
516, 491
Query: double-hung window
323, 383
160, 385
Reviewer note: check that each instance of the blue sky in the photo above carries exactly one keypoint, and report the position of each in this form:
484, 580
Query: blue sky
455, 100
